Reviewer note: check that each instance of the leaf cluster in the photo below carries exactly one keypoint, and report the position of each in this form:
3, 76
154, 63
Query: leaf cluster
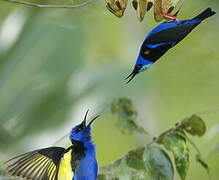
126, 116
154, 161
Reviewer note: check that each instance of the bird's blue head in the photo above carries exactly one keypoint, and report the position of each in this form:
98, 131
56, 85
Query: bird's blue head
82, 132
140, 66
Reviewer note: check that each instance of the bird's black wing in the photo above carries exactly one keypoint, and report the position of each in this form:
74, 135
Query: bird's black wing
171, 35
153, 54
40, 164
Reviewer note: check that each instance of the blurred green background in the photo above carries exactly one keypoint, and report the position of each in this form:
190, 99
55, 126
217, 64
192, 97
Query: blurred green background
57, 63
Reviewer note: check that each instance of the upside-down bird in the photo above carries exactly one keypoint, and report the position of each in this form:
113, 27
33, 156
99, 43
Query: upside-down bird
77, 162
163, 37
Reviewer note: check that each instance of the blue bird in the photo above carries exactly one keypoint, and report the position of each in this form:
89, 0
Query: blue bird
163, 37
77, 162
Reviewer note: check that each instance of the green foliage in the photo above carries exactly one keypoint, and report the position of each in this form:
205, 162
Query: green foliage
56, 44
32, 91
129, 167
157, 163
195, 125
134, 159
175, 140
153, 160
127, 115
177, 145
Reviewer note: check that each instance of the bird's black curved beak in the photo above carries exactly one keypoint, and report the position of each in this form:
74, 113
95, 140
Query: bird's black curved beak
85, 119
133, 73
93, 120
83, 124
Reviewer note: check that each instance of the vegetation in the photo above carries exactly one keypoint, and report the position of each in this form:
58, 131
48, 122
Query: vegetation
57, 63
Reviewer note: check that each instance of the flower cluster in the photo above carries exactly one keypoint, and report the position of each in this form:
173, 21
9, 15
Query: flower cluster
167, 9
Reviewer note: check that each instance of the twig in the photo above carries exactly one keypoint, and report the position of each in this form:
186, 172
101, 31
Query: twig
154, 140
209, 111
48, 5
169, 131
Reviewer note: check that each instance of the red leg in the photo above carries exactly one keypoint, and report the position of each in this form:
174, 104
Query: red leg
168, 16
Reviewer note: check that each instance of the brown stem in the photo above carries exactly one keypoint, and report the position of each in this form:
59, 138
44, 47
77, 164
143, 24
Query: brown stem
49, 5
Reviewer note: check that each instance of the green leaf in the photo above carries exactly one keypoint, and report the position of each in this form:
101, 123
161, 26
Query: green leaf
195, 125
198, 155
134, 159
119, 170
127, 115
177, 145
157, 163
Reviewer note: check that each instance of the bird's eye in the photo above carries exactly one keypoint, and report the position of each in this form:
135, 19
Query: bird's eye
146, 52
78, 130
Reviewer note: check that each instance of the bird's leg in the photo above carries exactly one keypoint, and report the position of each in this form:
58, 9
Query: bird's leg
168, 15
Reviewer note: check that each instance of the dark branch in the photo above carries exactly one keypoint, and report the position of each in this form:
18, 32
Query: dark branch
48, 5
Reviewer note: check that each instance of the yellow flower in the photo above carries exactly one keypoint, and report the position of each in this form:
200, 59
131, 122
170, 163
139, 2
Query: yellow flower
141, 6
117, 7
167, 9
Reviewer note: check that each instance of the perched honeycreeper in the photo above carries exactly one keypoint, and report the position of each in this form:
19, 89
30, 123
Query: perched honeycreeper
77, 162
163, 37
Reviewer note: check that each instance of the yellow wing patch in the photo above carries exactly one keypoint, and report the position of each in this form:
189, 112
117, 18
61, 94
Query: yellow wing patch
65, 171
36, 165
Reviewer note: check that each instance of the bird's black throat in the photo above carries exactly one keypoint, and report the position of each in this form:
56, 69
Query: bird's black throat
78, 152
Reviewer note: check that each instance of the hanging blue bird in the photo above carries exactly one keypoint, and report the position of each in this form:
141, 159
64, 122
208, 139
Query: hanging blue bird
163, 37
77, 162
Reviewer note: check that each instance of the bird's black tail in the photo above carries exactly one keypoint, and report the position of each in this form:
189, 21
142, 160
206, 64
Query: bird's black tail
205, 14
